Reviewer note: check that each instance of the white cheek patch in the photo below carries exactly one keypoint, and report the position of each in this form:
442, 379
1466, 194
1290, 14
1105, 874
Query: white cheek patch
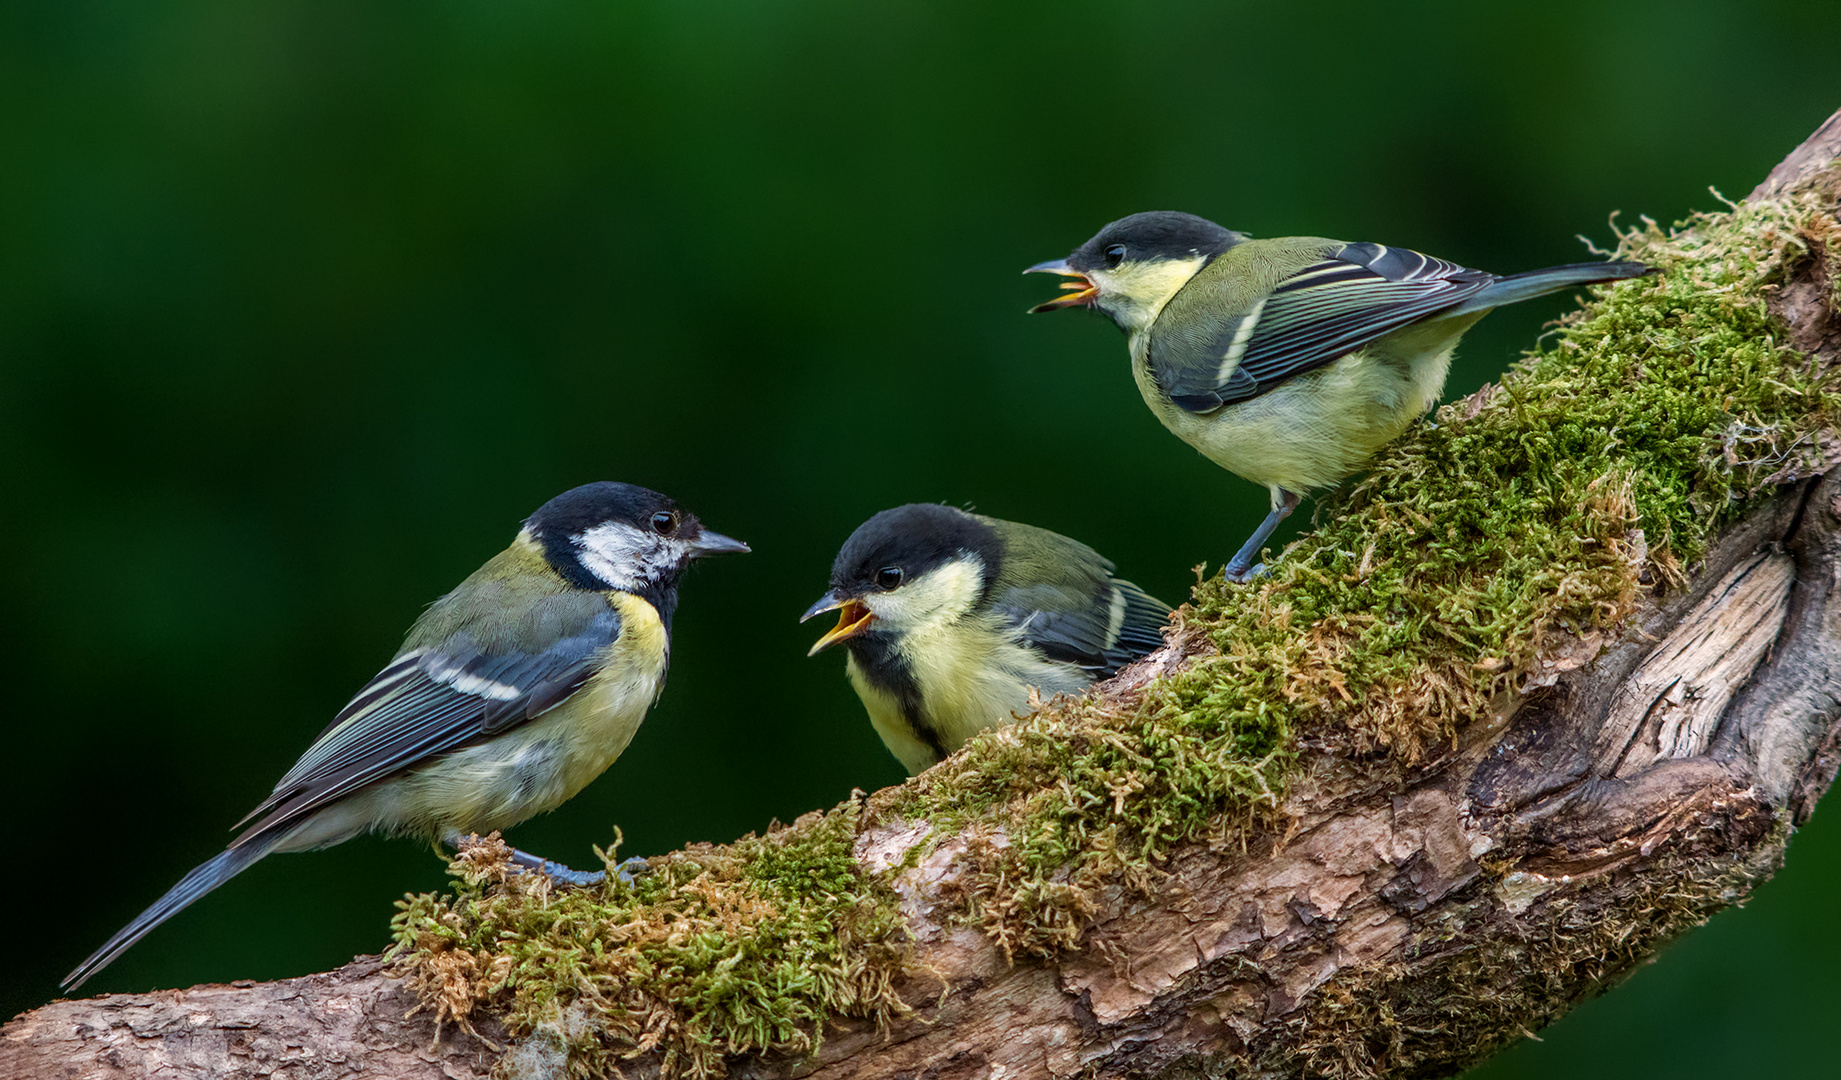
935, 598
1134, 293
619, 554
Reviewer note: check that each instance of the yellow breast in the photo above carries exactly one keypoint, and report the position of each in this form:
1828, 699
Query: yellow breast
1312, 430
971, 676
605, 713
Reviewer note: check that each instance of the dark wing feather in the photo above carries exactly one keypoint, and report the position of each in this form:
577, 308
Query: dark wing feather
1312, 317
433, 699
1141, 630
1099, 624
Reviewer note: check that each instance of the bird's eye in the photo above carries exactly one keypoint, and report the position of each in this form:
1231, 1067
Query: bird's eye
665, 523
888, 579
1115, 255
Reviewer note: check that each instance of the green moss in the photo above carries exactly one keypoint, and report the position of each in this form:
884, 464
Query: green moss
1524, 518
731, 949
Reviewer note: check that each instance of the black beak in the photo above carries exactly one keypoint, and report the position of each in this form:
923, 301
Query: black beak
714, 543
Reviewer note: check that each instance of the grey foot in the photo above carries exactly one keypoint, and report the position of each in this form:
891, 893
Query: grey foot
1242, 575
625, 873
628, 870
1241, 567
556, 871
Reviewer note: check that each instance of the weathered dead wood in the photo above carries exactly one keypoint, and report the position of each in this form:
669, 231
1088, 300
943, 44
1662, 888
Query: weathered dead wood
1671, 704
339, 1023
1405, 929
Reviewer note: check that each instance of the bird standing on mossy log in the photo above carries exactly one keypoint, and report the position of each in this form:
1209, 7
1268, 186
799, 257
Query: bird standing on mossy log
509, 695
1289, 361
950, 618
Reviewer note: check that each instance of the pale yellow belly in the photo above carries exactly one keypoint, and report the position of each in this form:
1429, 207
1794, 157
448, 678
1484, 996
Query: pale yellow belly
1313, 430
969, 682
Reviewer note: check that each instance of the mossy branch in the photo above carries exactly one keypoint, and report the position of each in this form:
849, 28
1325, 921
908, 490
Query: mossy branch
1552, 685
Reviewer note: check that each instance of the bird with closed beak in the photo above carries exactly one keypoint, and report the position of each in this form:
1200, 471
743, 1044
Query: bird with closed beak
508, 696
1288, 361
950, 618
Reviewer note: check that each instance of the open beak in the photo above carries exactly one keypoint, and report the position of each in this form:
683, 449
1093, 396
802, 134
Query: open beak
1082, 291
714, 543
853, 618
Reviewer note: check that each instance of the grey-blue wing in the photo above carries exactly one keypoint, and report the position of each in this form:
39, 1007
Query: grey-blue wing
1314, 316
431, 700
1099, 625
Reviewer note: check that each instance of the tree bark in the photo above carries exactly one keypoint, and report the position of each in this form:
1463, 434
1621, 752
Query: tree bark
1398, 930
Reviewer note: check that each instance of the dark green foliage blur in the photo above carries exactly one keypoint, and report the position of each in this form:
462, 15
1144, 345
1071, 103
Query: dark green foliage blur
304, 306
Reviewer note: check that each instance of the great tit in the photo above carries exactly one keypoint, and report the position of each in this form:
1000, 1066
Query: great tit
950, 618
508, 696
1287, 361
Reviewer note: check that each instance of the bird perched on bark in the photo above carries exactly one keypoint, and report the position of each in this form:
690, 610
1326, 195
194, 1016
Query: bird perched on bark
1287, 361
950, 618
508, 696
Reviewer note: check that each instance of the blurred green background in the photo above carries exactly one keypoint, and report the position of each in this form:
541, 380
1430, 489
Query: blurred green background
304, 306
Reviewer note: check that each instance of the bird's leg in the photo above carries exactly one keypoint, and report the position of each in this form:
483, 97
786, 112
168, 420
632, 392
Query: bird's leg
1240, 567
557, 871
524, 860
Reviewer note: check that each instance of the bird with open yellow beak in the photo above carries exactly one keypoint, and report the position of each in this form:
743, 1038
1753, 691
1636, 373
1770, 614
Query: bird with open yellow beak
950, 618
1289, 361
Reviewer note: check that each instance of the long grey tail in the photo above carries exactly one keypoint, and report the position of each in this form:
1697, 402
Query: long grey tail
1518, 287
201, 880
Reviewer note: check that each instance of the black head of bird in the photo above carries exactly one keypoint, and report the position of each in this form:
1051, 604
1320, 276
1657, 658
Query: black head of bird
613, 536
1132, 266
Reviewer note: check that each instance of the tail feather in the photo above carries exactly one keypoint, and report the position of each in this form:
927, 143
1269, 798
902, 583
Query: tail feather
1518, 287
201, 880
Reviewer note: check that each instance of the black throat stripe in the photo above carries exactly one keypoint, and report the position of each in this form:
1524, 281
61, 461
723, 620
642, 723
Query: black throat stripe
885, 667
